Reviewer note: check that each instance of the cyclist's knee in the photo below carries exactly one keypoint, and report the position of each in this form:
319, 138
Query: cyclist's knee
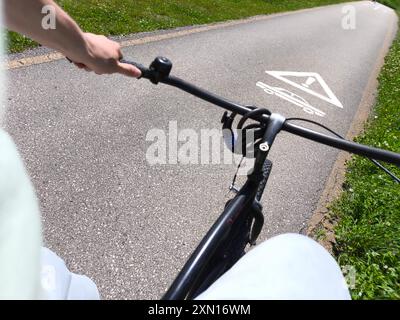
289, 266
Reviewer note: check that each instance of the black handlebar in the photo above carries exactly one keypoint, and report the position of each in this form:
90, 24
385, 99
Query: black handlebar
159, 71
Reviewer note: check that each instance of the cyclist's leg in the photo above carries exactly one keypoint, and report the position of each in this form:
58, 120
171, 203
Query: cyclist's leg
26, 270
20, 235
288, 266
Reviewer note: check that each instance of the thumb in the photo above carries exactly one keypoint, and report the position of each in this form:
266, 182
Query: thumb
128, 70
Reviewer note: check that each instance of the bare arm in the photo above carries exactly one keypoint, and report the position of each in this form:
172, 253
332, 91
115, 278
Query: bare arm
92, 52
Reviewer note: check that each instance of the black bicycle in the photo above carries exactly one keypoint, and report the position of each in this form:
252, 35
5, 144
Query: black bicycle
241, 222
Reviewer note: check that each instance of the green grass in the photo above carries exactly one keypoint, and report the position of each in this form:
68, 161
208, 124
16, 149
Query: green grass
122, 17
368, 231
395, 4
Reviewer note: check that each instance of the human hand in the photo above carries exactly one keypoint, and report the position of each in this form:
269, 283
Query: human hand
102, 56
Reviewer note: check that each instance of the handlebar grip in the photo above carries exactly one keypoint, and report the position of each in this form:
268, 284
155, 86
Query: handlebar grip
146, 73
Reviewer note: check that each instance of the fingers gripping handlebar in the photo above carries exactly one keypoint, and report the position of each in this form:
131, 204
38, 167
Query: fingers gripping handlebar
159, 69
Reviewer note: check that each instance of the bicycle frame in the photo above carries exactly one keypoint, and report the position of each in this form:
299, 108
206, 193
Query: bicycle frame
194, 274
212, 257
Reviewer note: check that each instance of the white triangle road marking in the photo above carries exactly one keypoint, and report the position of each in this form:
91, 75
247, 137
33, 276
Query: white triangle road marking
330, 96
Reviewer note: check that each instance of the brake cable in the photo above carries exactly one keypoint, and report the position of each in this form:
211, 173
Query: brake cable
380, 166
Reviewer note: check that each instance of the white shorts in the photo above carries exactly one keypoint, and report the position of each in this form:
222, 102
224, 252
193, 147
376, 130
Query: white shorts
289, 266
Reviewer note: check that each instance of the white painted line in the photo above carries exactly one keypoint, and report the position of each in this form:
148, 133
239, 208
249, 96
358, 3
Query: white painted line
306, 80
290, 97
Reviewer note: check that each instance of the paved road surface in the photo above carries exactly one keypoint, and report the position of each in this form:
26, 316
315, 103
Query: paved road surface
130, 226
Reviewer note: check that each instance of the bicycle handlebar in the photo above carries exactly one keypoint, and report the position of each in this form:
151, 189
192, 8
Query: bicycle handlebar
159, 73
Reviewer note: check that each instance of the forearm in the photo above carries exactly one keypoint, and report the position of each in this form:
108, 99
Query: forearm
91, 52
26, 17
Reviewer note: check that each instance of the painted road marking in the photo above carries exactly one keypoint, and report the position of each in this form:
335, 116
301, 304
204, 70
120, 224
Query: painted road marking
291, 97
306, 80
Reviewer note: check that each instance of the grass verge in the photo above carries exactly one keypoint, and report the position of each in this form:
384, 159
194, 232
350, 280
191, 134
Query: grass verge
368, 211
122, 17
